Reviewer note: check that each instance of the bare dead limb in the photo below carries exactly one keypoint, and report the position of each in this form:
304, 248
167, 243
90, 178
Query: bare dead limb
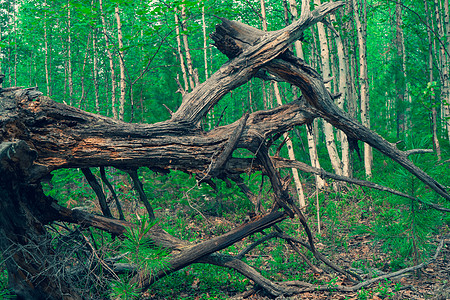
140, 189
98, 191
113, 193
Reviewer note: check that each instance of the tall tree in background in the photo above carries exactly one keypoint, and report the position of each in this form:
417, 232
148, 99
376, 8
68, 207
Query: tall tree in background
192, 74
431, 46
326, 73
360, 16
180, 53
69, 53
289, 144
343, 90
121, 63
111, 61
446, 71
312, 144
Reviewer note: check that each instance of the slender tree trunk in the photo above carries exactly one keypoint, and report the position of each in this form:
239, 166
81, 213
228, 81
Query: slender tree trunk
312, 145
442, 62
193, 77
69, 54
9, 64
46, 50
402, 89
111, 63
291, 154
436, 145
86, 54
1, 83
343, 89
361, 24
205, 44
95, 72
326, 73
289, 145
180, 53
15, 42
121, 64
446, 87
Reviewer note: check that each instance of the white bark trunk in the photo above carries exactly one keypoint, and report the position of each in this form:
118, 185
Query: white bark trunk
47, 76
121, 65
193, 79
436, 145
180, 53
69, 54
326, 73
205, 44
343, 89
446, 71
312, 146
365, 109
111, 64
291, 153
95, 73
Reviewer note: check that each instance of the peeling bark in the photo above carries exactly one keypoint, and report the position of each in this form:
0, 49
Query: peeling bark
39, 135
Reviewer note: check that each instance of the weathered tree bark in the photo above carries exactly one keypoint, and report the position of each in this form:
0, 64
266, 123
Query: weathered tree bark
39, 135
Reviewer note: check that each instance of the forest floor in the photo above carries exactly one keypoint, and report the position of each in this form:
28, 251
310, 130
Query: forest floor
360, 252
432, 282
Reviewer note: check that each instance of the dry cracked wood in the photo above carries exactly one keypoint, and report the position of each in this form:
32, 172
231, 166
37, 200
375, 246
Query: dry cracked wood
48, 136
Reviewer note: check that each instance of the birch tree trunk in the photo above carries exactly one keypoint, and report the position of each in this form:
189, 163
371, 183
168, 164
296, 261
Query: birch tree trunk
15, 42
193, 78
46, 60
402, 89
442, 61
1, 83
326, 73
86, 54
312, 145
446, 71
205, 44
95, 72
343, 89
111, 63
289, 145
361, 24
429, 24
180, 53
121, 64
69, 53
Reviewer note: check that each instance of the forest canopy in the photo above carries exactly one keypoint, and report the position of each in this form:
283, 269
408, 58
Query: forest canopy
141, 139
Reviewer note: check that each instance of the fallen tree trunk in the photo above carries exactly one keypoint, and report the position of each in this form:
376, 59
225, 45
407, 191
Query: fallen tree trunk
39, 135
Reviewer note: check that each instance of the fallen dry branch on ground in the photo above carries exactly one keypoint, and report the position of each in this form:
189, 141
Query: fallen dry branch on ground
40, 135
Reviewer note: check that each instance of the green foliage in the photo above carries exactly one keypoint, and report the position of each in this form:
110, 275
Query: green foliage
405, 227
124, 290
4, 291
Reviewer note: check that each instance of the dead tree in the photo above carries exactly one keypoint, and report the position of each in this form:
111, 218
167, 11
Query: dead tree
39, 135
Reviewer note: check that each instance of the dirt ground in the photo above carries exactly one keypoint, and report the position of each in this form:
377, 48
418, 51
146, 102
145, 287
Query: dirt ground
432, 282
